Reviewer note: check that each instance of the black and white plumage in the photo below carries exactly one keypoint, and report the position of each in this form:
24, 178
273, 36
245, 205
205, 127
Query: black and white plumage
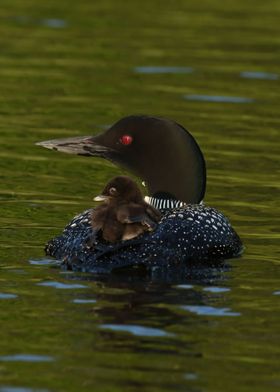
195, 233
167, 158
164, 204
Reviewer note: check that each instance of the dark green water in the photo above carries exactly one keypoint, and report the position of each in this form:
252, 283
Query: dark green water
69, 68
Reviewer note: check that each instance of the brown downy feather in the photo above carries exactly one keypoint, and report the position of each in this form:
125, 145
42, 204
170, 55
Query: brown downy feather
124, 214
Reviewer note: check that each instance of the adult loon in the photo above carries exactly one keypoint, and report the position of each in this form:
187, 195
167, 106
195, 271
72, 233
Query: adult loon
169, 161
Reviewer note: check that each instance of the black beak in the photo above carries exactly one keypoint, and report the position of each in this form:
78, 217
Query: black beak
81, 145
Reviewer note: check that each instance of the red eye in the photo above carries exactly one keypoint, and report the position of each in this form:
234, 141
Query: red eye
126, 140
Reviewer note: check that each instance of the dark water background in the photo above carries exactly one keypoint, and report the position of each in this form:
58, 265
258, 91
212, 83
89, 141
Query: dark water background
71, 68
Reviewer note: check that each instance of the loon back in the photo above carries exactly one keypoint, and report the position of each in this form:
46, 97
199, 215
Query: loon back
194, 234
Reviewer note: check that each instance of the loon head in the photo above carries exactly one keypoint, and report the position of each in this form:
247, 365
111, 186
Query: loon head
121, 189
158, 150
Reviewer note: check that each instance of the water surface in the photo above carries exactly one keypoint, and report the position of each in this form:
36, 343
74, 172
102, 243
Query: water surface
70, 68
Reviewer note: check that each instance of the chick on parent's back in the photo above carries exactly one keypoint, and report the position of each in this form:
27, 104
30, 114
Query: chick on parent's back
124, 214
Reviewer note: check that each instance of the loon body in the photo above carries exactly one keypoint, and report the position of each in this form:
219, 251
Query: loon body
124, 214
168, 159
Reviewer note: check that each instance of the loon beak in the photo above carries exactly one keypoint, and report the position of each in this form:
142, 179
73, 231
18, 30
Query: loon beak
81, 145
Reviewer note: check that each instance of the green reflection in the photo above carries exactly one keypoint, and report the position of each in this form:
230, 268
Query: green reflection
67, 68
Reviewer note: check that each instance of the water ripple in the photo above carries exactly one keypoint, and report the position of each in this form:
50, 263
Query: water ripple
20, 389
136, 330
202, 310
216, 289
59, 285
217, 98
7, 296
83, 301
54, 23
44, 262
259, 75
184, 286
163, 70
26, 358
190, 376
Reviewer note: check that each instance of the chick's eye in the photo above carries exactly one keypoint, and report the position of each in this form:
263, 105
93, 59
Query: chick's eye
112, 191
126, 140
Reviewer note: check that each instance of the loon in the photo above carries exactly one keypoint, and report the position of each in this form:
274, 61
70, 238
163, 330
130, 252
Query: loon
164, 155
124, 214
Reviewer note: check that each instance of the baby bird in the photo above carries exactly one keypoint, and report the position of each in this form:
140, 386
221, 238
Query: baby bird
124, 214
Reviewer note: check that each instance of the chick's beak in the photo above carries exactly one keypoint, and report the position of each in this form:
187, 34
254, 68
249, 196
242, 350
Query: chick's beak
101, 198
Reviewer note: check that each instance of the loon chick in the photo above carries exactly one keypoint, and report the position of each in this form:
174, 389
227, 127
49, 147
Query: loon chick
124, 214
168, 159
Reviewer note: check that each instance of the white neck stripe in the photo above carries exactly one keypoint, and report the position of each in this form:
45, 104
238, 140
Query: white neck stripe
163, 204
